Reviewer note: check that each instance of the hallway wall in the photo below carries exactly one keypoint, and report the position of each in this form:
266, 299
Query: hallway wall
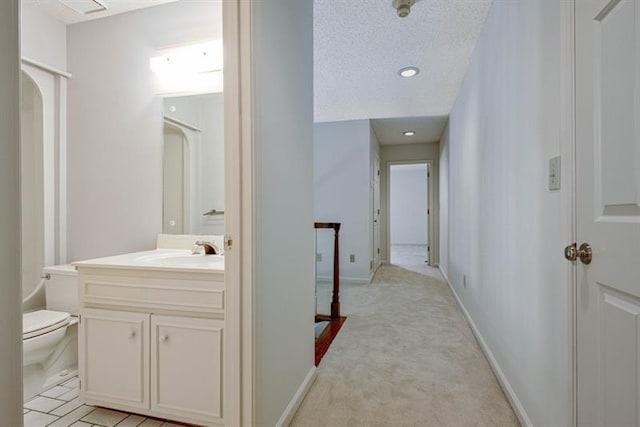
282, 50
502, 230
342, 169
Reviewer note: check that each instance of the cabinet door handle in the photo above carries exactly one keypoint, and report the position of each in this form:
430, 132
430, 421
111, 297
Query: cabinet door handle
164, 338
132, 334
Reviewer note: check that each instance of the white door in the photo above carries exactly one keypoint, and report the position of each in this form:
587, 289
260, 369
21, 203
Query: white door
608, 211
428, 216
376, 214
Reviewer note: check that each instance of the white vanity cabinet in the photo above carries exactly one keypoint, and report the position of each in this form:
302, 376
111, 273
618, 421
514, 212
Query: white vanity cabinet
186, 367
151, 342
114, 357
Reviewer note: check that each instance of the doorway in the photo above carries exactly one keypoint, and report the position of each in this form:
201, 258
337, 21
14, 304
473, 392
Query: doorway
409, 213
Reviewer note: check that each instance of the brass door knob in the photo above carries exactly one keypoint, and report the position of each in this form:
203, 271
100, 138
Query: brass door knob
572, 253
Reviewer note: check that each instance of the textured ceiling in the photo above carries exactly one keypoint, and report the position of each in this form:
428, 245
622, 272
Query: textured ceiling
427, 129
360, 46
68, 16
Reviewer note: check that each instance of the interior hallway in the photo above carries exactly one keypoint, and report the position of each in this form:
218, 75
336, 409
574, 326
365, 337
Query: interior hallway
404, 357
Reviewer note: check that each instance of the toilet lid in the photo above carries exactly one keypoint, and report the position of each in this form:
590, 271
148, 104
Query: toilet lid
42, 321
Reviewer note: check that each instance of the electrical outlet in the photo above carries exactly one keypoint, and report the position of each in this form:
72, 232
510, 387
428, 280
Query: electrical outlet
554, 173
464, 281
352, 257
319, 257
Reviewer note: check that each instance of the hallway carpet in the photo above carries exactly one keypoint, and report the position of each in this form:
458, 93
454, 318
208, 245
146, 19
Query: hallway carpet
404, 357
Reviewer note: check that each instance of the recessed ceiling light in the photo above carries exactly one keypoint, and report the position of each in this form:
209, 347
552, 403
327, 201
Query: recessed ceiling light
85, 6
409, 71
409, 133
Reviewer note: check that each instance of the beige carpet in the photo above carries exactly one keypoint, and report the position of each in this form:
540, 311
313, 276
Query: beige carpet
404, 357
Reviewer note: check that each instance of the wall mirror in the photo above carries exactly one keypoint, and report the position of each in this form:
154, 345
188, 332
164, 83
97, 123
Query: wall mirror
193, 164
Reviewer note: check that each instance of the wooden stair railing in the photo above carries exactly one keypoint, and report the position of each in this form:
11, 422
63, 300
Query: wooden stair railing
335, 299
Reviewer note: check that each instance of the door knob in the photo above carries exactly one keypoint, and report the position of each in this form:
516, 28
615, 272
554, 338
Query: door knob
572, 253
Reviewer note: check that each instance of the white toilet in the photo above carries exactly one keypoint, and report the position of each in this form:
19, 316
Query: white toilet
50, 336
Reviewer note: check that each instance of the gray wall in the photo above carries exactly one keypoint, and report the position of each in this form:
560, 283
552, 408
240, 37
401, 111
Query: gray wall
115, 124
502, 131
341, 166
10, 303
283, 129
43, 38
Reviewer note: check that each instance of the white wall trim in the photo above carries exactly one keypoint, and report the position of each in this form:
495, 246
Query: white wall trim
238, 353
297, 399
495, 367
45, 67
568, 169
353, 280
373, 273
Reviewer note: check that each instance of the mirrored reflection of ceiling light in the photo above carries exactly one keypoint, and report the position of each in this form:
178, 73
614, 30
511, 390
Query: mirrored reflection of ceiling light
196, 68
408, 133
85, 6
409, 71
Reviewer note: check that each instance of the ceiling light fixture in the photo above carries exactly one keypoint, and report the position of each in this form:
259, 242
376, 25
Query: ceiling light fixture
409, 71
408, 133
85, 7
403, 7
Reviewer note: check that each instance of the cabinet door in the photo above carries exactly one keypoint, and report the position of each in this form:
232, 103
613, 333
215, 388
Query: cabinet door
114, 358
186, 367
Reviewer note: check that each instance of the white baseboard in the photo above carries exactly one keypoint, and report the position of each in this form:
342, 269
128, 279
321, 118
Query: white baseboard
502, 379
352, 280
297, 399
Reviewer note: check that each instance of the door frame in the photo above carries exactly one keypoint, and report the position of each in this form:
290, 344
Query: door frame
376, 258
240, 341
568, 195
430, 204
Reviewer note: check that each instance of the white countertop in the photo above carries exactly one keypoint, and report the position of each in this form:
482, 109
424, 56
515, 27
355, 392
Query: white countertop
159, 259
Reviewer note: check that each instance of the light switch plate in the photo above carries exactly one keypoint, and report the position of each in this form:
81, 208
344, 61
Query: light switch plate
554, 173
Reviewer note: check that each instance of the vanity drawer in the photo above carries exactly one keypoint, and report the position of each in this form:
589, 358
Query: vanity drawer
197, 295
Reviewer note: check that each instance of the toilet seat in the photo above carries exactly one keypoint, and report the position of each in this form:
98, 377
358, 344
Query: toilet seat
42, 321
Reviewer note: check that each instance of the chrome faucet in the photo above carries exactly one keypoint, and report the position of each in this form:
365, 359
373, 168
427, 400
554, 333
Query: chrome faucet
209, 248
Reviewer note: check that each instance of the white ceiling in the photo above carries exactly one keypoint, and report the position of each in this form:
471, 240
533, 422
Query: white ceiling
359, 46
68, 16
427, 129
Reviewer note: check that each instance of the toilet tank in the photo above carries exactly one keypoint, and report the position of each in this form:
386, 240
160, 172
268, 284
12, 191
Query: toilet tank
61, 289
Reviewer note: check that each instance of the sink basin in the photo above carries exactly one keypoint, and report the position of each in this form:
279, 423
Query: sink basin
180, 259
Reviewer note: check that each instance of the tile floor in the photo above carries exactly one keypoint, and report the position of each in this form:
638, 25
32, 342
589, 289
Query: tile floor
59, 407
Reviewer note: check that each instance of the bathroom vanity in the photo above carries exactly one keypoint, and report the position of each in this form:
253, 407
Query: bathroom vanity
151, 334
